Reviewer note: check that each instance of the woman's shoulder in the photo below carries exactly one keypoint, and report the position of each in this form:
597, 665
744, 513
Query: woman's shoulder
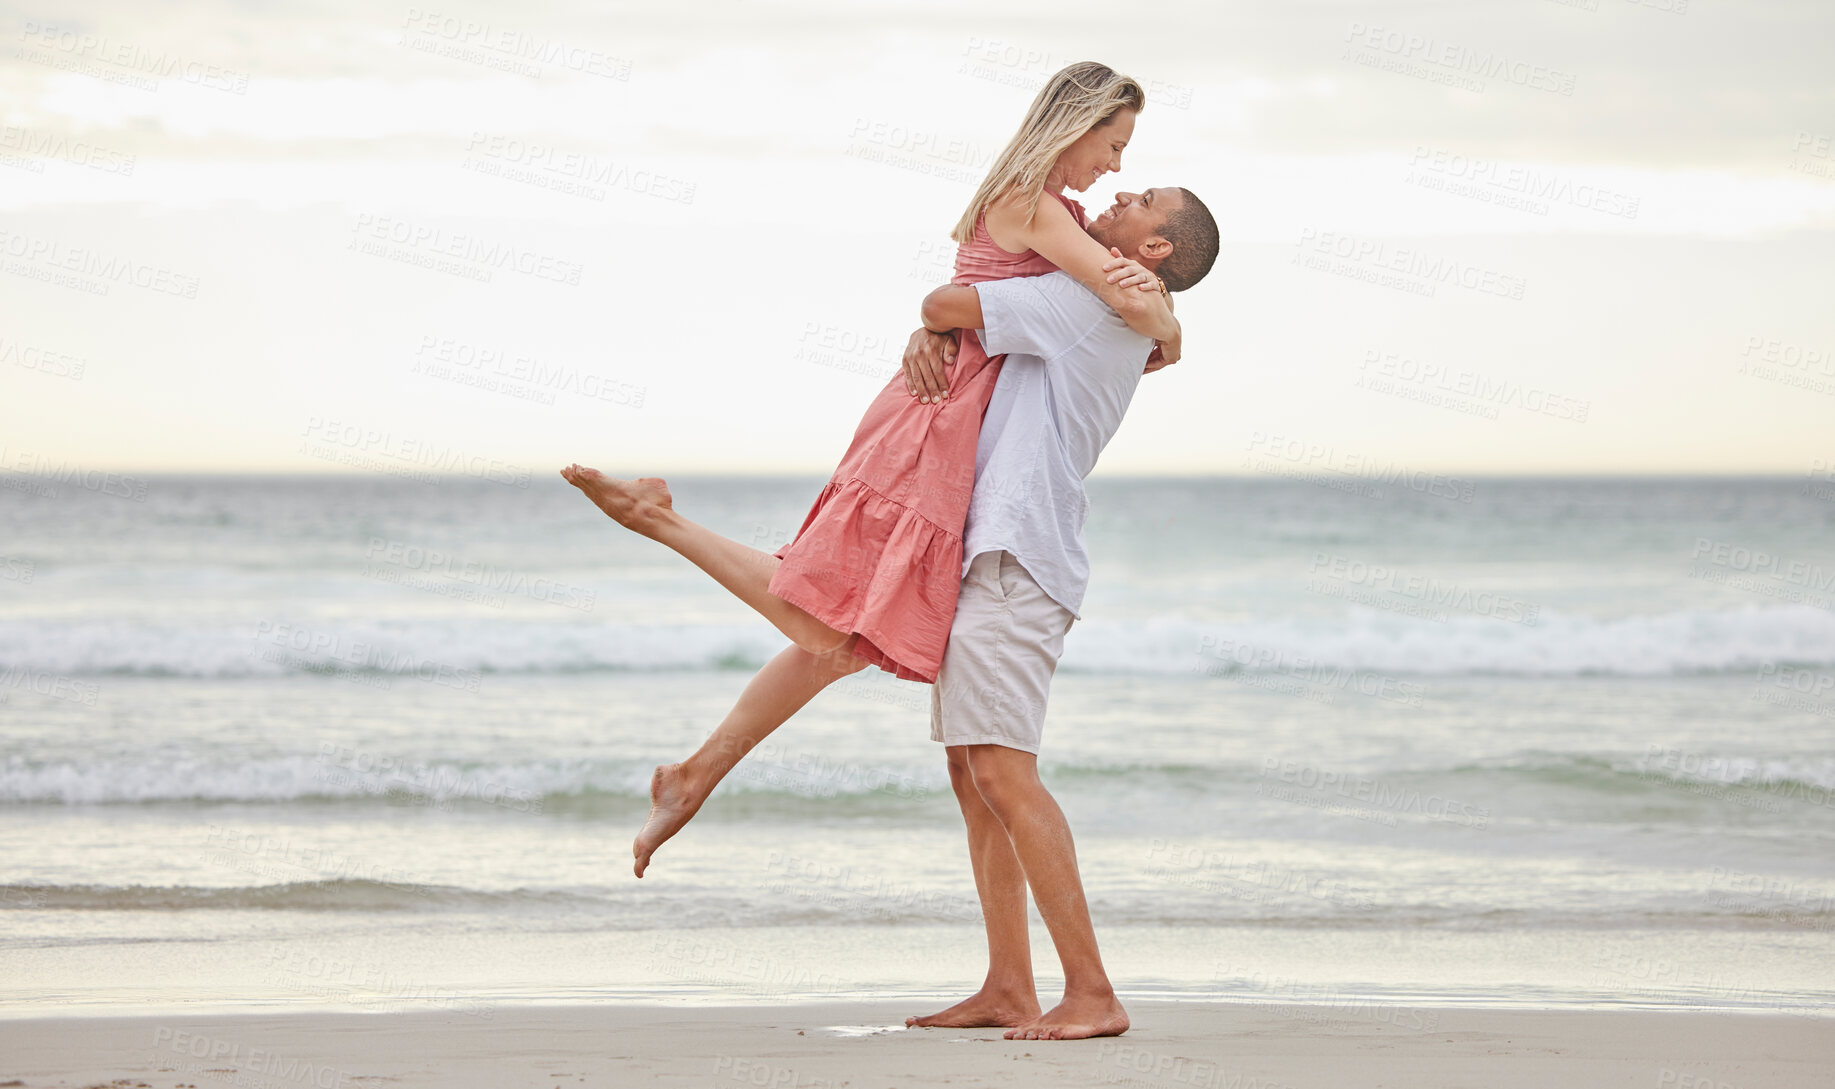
1004, 217
1020, 205
1005, 210
1014, 213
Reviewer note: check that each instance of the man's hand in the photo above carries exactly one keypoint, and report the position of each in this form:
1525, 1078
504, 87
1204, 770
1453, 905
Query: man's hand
927, 354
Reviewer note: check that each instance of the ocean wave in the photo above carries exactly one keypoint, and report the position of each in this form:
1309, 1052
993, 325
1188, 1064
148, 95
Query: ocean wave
453, 650
527, 787
1661, 780
1315, 651
457, 652
894, 903
340, 894
793, 781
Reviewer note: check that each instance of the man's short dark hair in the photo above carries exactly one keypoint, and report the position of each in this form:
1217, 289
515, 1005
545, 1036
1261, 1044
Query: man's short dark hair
1193, 234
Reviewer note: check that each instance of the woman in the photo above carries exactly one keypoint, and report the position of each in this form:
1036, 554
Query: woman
872, 576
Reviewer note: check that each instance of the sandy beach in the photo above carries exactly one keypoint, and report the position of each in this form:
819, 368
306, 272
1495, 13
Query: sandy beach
858, 1043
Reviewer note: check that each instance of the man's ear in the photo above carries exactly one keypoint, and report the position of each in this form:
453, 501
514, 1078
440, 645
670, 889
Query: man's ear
1156, 248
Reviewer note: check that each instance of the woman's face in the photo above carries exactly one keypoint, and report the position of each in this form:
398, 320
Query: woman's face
1096, 152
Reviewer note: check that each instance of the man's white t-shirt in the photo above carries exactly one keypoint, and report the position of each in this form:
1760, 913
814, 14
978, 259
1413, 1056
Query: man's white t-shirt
1072, 367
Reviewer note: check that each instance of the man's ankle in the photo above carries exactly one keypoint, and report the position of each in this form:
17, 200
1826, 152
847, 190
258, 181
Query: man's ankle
1010, 988
1096, 989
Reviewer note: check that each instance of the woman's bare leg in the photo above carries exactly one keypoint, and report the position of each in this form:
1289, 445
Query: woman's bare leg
820, 657
644, 506
780, 690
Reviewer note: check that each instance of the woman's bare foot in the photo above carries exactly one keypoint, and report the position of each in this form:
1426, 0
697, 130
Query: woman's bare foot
1075, 1019
983, 1009
637, 505
673, 801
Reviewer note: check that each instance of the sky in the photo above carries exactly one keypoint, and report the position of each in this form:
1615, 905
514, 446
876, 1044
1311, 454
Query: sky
1465, 238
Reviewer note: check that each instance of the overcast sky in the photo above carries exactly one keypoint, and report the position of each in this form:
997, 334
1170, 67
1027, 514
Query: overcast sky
1524, 236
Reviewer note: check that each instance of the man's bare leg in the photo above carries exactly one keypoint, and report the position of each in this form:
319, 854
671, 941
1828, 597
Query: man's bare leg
1008, 780
645, 507
1007, 996
779, 690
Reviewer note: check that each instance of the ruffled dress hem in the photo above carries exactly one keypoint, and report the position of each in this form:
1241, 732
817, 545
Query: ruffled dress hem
864, 570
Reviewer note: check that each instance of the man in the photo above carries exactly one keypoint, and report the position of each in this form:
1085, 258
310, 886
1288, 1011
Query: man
1072, 367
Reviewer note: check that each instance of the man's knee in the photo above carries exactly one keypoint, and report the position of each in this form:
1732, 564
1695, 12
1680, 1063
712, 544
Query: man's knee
961, 779
956, 757
1000, 776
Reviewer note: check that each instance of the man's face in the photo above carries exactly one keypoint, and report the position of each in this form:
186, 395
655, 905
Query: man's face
1134, 219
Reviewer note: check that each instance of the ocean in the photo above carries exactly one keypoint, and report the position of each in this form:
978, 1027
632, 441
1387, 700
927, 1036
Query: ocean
1373, 744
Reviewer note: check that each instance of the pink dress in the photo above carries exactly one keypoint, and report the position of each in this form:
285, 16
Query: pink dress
880, 553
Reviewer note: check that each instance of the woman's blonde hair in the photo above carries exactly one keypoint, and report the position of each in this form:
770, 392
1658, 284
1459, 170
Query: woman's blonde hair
1073, 101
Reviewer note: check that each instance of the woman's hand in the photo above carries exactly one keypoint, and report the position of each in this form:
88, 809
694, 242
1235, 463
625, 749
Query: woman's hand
1127, 272
1058, 238
1165, 353
927, 354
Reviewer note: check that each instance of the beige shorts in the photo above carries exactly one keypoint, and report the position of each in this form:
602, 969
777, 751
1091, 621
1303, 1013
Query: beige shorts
1003, 647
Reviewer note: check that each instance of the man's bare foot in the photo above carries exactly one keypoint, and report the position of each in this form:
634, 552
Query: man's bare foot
983, 1009
634, 504
673, 802
1075, 1019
